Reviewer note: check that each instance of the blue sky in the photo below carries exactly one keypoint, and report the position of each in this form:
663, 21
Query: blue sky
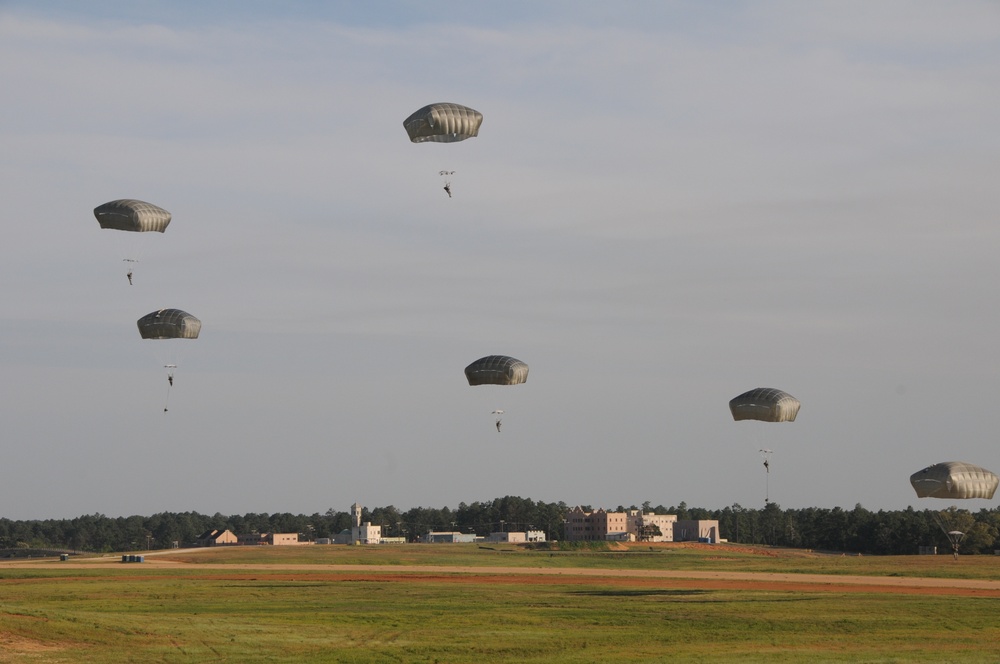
668, 204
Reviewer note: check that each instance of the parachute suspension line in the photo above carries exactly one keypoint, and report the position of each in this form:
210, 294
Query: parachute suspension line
767, 469
129, 268
447, 181
170, 383
954, 536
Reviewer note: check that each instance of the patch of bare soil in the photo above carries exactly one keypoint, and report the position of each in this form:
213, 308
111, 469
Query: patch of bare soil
721, 547
14, 648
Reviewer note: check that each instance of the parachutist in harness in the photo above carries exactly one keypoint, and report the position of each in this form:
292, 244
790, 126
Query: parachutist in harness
767, 466
129, 275
498, 425
170, 379
447, 188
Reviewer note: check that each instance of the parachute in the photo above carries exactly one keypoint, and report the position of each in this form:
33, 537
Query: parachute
443, 123
765, 404
131, 215
954, 479
169, 324
497, 370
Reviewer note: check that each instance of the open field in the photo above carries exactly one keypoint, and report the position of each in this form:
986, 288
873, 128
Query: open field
464, 603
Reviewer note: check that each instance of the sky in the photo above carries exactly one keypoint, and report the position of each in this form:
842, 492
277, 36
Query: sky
668, 204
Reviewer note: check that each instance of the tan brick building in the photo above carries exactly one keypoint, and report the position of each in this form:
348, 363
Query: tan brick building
628, 526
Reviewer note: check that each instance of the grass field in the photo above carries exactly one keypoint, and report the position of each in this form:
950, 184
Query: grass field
615, 556
464, 603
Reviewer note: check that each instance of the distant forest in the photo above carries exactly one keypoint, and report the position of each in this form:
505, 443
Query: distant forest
852, 531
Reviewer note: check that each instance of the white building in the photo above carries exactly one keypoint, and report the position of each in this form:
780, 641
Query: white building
649, 522
360, 533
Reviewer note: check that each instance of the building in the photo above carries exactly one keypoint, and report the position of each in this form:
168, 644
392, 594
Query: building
359, 533
366, 533
511, 537
691, 530
633, 526
644, 526
217, 538
363, 533
433, 537
270, 539
598, 525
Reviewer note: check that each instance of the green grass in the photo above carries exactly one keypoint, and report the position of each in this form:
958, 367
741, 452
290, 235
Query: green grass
138, 613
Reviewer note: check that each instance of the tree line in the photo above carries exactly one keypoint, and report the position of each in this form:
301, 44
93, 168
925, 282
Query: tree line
858, 530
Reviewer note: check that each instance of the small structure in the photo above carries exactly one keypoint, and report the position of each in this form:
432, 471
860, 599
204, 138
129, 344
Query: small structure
449, 538
217, 537
510, 537
252, 539
270, 539
693, 530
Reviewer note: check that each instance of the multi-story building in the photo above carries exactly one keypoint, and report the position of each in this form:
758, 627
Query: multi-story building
597, 525
645, 526
360, 533
633, 525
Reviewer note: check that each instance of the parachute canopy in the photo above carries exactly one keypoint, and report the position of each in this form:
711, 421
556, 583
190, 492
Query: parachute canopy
497, 370
131, 215
765, 404
954, 479
443, 123
169, 324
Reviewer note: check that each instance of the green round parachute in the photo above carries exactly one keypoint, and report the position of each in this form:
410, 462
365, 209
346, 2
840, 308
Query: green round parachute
443, 123
954, 479
497, 370
765, 404
169, 324
131, 215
